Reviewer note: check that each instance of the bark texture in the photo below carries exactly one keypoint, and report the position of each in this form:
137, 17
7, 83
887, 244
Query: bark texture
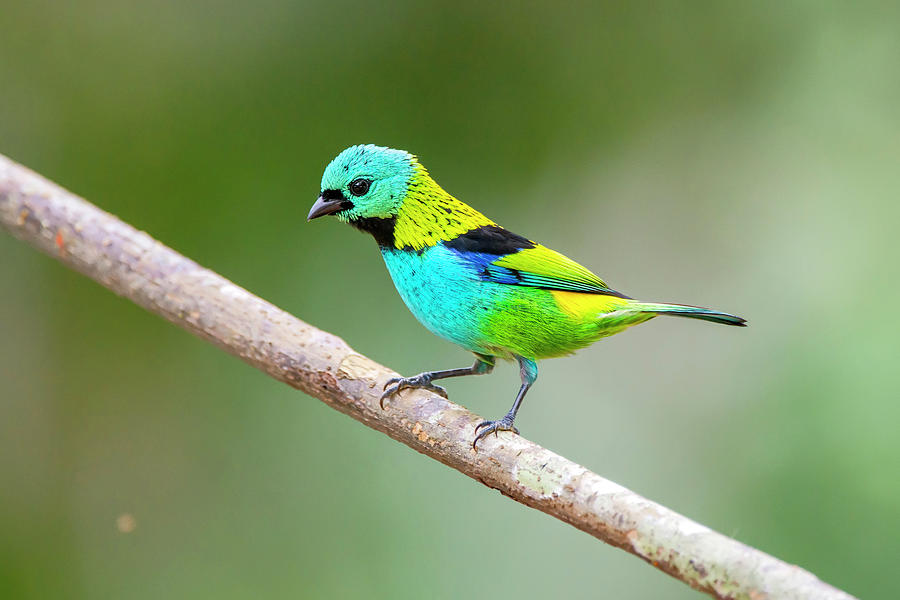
134, 265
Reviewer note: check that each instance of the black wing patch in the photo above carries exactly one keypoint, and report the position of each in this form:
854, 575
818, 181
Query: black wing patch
489, 239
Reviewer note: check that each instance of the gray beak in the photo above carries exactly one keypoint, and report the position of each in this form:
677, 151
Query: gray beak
327, 206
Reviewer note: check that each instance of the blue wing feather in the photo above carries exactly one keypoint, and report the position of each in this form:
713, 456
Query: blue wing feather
487, 269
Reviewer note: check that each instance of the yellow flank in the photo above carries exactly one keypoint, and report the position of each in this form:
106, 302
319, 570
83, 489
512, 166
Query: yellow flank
430, 215
587, 307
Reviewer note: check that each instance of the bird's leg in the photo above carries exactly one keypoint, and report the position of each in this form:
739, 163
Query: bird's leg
528, 371
483, 365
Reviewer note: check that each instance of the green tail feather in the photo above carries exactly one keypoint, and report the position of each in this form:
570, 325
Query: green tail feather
691, 312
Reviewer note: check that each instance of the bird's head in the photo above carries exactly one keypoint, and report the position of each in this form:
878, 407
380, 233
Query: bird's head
365, 182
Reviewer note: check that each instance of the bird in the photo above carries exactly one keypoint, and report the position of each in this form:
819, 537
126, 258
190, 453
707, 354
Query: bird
488, 290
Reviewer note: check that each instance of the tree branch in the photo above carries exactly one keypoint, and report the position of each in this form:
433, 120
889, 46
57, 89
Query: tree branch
134, 265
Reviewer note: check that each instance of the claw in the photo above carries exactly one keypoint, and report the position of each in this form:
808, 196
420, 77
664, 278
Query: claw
395, 384
504, 424
387, 393
439, 391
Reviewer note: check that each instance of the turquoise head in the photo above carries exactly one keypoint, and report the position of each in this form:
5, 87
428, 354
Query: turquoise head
365, 182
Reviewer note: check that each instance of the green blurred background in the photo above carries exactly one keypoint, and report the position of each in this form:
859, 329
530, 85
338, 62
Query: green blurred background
738, 156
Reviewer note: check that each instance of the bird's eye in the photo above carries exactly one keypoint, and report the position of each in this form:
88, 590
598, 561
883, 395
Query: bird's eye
359, 187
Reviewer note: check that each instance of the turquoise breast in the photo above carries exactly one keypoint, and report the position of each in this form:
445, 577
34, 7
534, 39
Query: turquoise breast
445, 295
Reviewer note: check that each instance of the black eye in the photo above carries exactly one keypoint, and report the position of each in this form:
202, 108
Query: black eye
359, 187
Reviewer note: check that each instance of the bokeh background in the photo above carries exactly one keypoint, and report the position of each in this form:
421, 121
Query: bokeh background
737, 155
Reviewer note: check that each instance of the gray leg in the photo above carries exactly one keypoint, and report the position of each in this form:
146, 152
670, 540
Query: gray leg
483, 365
528, 372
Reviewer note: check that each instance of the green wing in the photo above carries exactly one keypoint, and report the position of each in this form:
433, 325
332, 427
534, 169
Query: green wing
502, 256
542, 267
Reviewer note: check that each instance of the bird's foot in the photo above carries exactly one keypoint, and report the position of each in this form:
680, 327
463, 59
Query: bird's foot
486, 428
421, 381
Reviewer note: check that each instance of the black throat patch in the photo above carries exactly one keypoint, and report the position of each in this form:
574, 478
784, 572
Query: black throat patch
381, 229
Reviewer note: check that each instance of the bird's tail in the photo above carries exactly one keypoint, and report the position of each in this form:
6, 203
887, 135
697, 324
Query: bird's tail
691, 312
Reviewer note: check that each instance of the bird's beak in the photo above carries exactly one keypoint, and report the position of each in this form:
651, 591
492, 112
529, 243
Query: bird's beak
325, 206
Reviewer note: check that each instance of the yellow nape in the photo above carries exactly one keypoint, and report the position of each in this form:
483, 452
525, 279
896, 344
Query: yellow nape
430, 215
587, 307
